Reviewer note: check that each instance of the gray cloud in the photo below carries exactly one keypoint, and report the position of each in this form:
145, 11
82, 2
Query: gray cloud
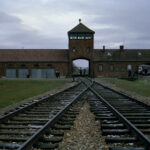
14, 34
44, 23
5, 18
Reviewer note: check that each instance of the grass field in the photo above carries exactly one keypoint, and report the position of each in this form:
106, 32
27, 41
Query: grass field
140, 86
12, 91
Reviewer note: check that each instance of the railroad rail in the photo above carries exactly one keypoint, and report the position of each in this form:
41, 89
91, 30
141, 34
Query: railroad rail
33, 124
124, 121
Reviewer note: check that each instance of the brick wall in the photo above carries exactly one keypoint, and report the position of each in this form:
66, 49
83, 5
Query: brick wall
120, 68
58, 66
81, 49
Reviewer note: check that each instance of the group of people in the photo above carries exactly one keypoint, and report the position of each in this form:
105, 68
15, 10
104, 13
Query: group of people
82, 72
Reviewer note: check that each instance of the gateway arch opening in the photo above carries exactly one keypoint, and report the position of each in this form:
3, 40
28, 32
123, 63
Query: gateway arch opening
80, 67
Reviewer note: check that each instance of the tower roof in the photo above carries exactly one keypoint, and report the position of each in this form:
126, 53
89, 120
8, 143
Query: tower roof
81, 28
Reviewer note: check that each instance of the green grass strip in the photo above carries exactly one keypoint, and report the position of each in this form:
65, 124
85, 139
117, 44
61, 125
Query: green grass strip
12, 91
140, 86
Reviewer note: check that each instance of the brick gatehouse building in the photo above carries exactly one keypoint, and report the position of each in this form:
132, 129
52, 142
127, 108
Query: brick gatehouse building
43, 63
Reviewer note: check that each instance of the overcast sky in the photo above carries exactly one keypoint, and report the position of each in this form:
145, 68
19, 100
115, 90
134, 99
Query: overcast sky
44, 23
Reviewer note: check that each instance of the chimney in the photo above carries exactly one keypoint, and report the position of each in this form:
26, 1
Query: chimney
103, 48
121, 48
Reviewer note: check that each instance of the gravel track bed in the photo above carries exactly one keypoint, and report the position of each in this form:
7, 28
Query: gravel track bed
85, 134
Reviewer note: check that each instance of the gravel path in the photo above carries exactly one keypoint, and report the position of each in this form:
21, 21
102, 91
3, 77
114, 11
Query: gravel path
85, 134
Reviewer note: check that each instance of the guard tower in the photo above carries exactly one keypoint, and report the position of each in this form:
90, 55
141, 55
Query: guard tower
81, 40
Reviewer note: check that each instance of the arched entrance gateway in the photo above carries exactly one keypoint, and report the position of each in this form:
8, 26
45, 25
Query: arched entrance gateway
81, 46
80, 67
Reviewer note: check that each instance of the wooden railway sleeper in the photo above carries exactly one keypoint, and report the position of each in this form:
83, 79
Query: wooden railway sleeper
132, 127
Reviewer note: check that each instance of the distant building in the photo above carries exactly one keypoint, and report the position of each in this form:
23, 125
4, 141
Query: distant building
44, 63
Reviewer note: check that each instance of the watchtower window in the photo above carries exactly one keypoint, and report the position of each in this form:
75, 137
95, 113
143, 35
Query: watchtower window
81, 36
88, 36
73, 36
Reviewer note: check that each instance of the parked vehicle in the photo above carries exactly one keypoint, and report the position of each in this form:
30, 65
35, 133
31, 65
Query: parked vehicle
144, 69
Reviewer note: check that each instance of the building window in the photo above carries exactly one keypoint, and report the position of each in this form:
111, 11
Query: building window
100, 68
117, 68
74, 49
36, 65
10, 65
88, 49
11, 73
49, 65
111, 68
139, 54
108, 54
23, 65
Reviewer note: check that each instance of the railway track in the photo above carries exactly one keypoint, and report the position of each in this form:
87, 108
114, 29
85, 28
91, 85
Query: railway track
125, 122
37, 125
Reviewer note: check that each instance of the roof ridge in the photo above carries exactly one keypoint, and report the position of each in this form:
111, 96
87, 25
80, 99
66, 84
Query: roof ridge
81, 28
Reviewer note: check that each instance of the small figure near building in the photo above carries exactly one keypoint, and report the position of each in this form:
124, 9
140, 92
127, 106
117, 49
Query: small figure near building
80, 71
57, 74
129, 71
